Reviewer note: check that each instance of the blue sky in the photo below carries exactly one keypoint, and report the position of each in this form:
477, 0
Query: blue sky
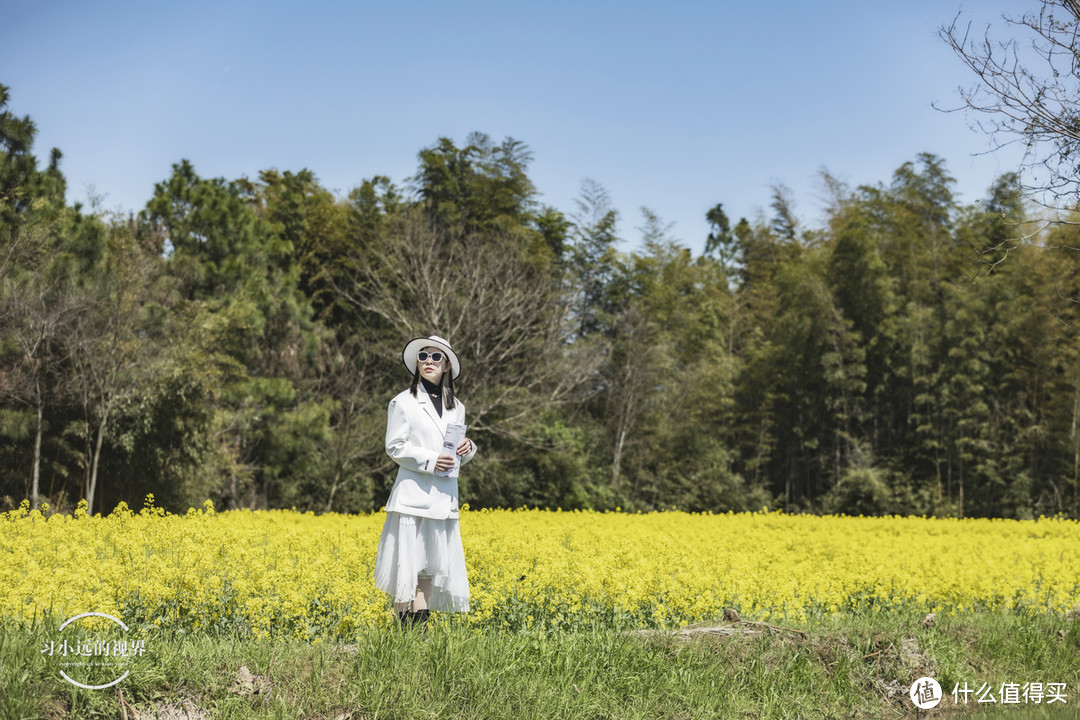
675, 106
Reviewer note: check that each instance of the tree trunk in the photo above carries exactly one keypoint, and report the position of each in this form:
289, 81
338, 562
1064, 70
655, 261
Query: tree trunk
232, 502
333, 490
616, 462
1076, 447
94, 467
960, 488
37, 453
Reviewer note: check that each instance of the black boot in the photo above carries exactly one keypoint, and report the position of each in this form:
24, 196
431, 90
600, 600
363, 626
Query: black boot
406, 618
420, 618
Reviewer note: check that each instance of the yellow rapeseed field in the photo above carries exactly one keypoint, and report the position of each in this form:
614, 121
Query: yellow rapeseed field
286, 573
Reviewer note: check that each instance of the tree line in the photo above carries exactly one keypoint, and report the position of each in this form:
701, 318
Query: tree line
239, 340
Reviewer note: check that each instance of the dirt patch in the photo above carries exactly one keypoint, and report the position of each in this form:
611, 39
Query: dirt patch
914, 660
692, 632
737, 628
341, 714
247, 684
53, 709
897, 661
186, 708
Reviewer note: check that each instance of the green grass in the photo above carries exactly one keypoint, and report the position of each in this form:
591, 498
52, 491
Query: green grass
846, 666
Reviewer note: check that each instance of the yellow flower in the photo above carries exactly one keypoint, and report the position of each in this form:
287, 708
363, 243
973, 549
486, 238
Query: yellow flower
289, 574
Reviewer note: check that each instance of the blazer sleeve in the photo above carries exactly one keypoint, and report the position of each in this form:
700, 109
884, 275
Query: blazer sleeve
406, 454
470, 455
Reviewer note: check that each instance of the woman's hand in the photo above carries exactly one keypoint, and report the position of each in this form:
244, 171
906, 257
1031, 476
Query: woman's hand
445, 462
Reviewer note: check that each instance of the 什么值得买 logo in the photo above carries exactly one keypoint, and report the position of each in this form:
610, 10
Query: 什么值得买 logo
926, 693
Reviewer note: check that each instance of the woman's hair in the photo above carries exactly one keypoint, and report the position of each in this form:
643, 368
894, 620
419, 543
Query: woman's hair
448, 389
447, 386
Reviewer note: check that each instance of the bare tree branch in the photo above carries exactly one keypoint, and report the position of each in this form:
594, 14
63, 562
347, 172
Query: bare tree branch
497, 306
1028, 92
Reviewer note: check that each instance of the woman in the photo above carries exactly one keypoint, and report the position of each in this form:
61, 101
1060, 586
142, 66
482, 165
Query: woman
420, 562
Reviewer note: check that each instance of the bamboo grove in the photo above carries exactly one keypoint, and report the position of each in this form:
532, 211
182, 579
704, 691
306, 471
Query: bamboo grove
238, 340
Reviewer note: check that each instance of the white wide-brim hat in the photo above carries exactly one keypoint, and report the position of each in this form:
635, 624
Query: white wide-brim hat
408, 355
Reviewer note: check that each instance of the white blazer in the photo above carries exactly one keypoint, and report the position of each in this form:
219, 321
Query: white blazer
414, 438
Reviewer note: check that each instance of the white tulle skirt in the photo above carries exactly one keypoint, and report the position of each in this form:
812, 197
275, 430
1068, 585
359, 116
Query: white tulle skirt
413, 547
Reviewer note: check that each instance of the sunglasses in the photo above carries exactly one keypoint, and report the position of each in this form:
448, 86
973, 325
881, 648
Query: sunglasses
422, 356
